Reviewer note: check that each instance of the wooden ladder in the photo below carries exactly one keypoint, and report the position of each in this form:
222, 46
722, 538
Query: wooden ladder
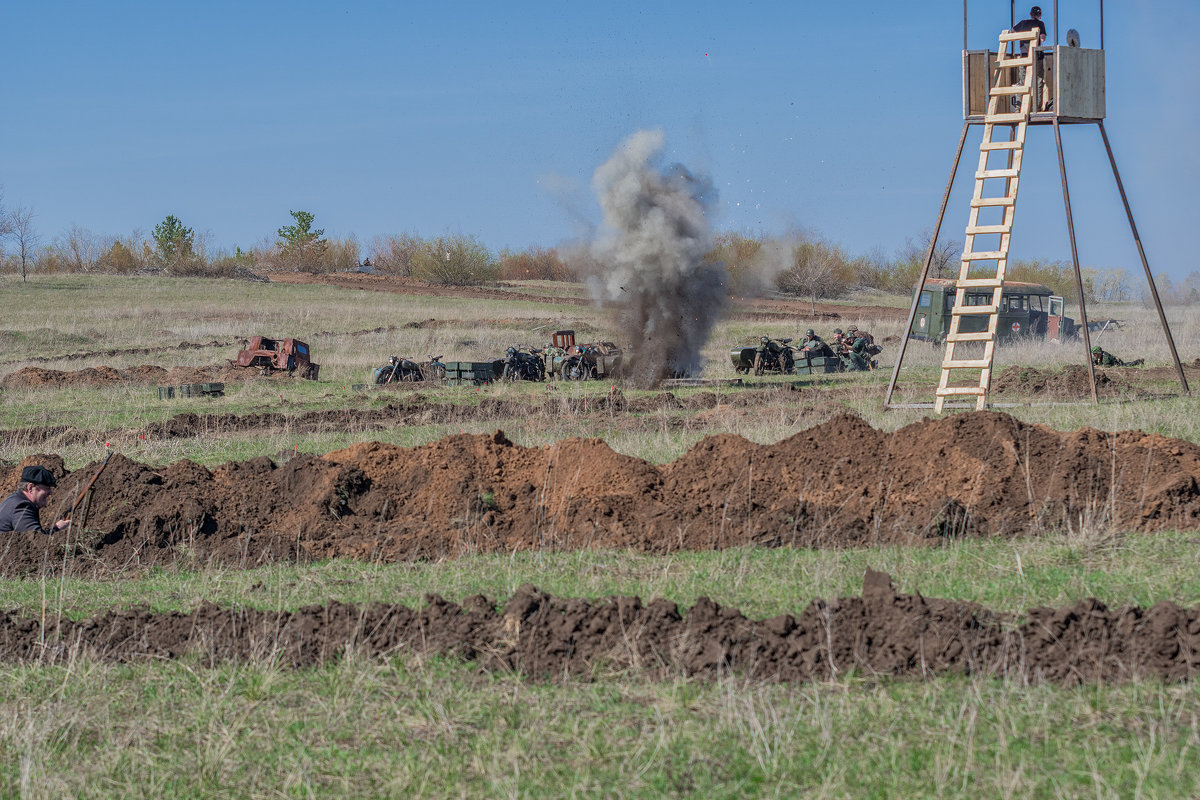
976, 261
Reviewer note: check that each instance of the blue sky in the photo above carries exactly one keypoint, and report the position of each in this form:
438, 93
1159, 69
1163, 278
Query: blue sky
488, 119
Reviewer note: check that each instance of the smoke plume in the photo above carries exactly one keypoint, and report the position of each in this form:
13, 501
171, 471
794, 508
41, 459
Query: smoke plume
650, 259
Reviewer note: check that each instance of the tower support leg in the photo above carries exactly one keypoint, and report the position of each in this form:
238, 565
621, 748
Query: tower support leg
937, 229
1087, 339
1162, 317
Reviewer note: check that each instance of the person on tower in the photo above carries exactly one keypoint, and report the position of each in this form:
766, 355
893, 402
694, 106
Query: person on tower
1032, 22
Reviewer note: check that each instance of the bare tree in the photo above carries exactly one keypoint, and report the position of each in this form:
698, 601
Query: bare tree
21, 221
817, 272
82, 249
946, 259
393, 255
5, 225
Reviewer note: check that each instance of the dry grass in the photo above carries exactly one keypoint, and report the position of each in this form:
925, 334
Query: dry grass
431, 728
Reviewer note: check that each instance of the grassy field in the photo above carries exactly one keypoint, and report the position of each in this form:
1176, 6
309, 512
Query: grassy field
439, 728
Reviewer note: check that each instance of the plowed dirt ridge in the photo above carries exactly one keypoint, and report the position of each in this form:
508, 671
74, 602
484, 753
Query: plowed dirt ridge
838, 484
880, 633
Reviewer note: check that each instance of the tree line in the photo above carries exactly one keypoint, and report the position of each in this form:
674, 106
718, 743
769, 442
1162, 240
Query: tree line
798, 264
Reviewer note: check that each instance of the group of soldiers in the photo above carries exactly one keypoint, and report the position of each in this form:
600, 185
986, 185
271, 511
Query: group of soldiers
854, 347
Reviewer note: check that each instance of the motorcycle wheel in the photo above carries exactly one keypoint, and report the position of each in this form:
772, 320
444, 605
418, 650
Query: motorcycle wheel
574, 370
758, 364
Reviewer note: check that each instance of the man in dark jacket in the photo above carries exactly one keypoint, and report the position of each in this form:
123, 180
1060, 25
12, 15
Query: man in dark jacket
1033, 22
19, 511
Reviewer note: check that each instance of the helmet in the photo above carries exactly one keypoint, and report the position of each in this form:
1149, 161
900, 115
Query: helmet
764, 338
810, 332
852, 328
1096, 349
1036, 11
838, 331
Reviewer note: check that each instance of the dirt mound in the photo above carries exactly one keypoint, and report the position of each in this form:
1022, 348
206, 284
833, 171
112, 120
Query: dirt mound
1071, 382
838, 484
880, 633
38, 378
123, 351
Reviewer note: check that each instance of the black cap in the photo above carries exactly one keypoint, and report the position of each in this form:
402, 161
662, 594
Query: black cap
1036, 11
39, 475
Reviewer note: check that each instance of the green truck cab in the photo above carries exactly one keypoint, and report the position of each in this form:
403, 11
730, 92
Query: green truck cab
1026, 309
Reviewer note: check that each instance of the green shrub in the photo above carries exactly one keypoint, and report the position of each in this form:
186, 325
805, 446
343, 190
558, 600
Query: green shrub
741, 255
120, 258
455, 261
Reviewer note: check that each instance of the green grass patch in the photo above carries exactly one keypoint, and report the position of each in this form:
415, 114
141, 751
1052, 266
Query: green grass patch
437, 728
1009, 576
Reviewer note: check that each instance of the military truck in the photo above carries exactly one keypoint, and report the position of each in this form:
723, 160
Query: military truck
1026, 309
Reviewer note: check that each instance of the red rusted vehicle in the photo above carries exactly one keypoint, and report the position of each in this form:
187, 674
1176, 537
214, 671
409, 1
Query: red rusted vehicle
269, 355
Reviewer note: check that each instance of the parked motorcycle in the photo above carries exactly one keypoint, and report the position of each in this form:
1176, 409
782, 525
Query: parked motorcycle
404, 370
773, 355
590, 361
520, 364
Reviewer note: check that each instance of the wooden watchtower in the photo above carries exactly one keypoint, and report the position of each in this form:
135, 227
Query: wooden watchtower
1024, 82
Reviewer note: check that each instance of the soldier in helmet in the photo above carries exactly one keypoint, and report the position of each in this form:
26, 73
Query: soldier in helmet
841, 346
839, 340
813, 345
1103, 358
854, 333
859, 353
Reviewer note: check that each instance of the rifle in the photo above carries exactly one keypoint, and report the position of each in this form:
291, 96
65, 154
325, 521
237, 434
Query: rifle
86, 494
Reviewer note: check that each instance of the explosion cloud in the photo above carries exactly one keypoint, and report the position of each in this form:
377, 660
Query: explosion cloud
651, 258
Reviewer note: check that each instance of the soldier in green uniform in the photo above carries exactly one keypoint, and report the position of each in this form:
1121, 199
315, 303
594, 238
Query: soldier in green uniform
840, 344
859, 354
813, 345
1103, 358
854, 333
